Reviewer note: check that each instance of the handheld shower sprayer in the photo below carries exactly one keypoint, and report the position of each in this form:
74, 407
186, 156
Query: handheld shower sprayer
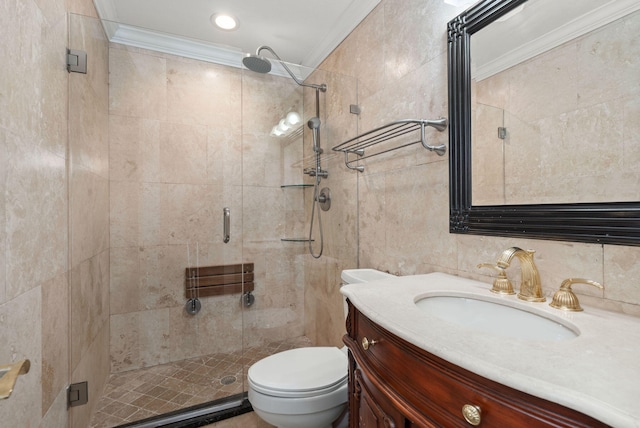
321, 198
314, 125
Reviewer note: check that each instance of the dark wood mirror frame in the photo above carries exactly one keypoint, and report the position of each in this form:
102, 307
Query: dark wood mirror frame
606, 223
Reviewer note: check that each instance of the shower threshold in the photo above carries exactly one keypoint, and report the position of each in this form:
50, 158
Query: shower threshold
198, 416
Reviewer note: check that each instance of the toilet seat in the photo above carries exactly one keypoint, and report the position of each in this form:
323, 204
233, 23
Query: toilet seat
299, 373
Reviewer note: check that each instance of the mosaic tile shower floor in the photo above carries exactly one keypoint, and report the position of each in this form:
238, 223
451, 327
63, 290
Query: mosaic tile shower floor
143, 393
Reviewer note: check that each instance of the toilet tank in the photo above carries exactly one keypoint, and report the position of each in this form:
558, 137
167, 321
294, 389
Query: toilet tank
360, 276
356, 276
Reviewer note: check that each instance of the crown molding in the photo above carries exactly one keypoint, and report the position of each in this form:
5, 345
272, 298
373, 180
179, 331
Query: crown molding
206, 51
161, 42
189, 48
349, 20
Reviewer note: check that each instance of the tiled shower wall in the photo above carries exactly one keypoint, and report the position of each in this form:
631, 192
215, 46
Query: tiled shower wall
324, 313
399, 55
53, 209
189, 138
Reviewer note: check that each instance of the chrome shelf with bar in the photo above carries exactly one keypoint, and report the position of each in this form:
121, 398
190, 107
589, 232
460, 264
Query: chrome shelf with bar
389, 133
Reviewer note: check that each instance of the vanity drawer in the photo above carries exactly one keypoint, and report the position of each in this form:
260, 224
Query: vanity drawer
431, 391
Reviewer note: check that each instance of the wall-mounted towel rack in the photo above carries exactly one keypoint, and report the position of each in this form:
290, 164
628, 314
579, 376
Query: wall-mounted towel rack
389, 133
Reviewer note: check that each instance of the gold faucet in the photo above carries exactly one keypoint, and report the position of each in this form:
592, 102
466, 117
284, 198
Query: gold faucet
9, 374
530, 286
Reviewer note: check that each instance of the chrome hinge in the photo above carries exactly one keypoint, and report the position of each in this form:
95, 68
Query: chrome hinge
355, 109
502, 133
77, 394
76, 61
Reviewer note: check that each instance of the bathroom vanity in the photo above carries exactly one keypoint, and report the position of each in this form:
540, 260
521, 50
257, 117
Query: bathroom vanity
410, 368
394, 383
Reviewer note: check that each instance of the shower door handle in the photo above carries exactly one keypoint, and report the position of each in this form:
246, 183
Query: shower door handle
226, 213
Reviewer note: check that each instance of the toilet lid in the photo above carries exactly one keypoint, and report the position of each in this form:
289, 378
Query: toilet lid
300, 370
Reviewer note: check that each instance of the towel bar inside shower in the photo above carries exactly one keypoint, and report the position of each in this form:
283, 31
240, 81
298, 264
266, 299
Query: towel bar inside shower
387, 138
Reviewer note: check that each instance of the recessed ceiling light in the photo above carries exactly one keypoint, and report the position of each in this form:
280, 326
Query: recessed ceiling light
224, 21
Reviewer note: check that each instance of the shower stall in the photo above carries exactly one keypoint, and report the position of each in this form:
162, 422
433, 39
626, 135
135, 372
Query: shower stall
199, 183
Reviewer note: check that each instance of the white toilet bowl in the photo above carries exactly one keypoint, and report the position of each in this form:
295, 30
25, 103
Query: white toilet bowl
304, 387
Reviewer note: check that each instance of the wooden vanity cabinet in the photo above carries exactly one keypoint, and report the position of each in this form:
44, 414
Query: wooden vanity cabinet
396, 384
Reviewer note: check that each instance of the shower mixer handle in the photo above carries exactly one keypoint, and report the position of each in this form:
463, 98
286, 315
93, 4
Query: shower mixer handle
324, 199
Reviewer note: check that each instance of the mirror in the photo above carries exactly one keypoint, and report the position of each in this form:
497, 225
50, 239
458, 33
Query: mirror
543, 133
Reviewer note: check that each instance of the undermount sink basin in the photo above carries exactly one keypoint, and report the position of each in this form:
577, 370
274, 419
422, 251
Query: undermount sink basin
495, 318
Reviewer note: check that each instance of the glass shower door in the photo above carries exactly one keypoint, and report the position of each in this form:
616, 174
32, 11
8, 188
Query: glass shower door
208, 214
175, 165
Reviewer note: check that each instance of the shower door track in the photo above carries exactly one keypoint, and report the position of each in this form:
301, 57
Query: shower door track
197, 416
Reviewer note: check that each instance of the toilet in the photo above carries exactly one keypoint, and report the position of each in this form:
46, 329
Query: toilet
305, 387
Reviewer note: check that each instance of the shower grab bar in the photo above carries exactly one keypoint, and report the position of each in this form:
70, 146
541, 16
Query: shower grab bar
389, 132
226, 213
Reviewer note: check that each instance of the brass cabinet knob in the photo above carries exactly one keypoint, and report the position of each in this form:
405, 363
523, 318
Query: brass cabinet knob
366, 343
472, 414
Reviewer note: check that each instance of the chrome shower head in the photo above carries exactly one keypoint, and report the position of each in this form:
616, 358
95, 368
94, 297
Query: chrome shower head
257, 63
260, 64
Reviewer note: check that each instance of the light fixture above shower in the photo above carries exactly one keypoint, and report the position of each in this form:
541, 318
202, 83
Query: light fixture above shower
287, 125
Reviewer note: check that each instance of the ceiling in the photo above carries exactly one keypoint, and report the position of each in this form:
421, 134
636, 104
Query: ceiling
300, 31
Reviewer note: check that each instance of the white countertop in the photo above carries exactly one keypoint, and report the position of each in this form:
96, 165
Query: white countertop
596, 373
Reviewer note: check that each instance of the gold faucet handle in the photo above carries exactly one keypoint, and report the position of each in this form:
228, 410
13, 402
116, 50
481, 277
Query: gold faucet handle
565, 299
502, 284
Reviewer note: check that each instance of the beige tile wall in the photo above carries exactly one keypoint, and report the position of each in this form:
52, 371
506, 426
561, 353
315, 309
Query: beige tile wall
189, 138
399, 56
53, 209
324, 315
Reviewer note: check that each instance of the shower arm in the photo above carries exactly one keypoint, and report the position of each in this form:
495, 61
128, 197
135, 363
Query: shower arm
321, 87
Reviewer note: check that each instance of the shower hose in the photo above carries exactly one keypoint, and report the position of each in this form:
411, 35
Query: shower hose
315, 203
